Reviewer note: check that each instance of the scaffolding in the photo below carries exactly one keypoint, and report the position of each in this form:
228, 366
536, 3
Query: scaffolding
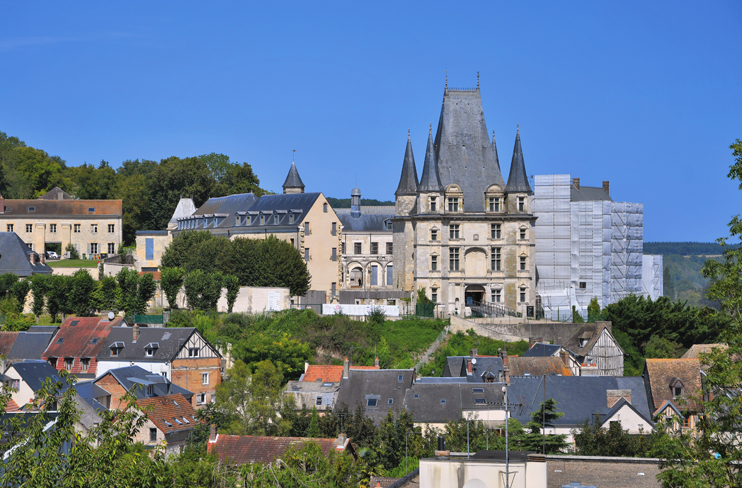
652, 278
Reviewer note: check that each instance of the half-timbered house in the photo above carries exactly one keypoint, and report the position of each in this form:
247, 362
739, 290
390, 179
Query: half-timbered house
596, 350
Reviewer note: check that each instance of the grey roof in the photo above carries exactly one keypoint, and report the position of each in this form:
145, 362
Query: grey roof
370, 219
44, 328
607, 413
438, 380
431, 180
298, 204
185, 208
226, 205
382, 384
15, 257
426, 401
541, 350
494, 148
311, 387
464, 153
169, 341
485, 366
130, 376
293, 180
89, 392
31, 344
518, 179
408, 183
151, 233
588, 194
34, 372
55, 193
578, 397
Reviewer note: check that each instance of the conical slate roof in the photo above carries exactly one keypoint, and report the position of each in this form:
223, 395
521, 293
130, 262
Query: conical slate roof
494, 148
430, 181
463, 150
293, 180
518, 180
408, 180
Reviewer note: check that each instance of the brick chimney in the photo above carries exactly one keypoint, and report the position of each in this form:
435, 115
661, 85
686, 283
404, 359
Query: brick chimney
613, 396
469, 367
135, 333
473, 353
505, 365
565, 357
576, 183
340, 442
346, 369
376, 362
606, 187
212, 433
533, 340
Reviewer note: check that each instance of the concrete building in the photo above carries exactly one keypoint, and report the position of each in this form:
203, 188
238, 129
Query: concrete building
461, 232
93, 227
485, 469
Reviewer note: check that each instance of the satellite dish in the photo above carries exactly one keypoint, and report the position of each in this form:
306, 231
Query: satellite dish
474, 361
111, 316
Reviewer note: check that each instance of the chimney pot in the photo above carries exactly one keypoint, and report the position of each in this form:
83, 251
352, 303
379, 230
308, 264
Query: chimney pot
469, 368
576, 183
473, 353
606, 187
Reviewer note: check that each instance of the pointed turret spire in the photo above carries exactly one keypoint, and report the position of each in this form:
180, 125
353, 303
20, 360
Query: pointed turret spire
431, 180
293, 183
408, 180
518, 179
494, 148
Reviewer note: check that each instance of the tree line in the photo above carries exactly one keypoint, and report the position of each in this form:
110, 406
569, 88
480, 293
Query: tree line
150, 190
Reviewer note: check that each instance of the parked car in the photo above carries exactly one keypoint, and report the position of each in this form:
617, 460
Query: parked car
52, 255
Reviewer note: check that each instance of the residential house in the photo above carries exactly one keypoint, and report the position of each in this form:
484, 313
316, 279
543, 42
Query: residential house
484, 469
376, 391
696, 350
537, 366
475, 368
237, 450
545, 350
593, 346
144, 384
674, 386
180, 354
170, 421
92, 227
30, 344
76, 345
27, 378
18, 258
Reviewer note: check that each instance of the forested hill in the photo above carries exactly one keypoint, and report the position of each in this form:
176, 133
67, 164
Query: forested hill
150, 190
345, 202
684, 248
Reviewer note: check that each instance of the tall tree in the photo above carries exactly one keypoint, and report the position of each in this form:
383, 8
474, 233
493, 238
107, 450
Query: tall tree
667, 284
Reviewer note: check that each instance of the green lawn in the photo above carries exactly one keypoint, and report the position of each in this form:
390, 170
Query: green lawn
72, 263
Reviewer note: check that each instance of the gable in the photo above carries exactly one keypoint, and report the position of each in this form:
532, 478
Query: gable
197, 342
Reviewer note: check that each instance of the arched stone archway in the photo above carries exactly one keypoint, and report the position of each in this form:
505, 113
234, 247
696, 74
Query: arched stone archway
474, 293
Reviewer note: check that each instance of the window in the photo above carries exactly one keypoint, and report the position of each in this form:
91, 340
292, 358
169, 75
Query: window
84, 365
372, 402
164, 374
111, 248
68, 363
496, 296
275, 219
678, 391
389, 248
29, 228
333, 288
496, 258
94, 228
150, 390
149, 248
400, 377
319, 401
389, 275
453, 204
193, 352
94, 248
262, 220
374, 275
434, 295
390, 401
91, 209
152, 434
374, 248
149, 352
522, 263
10, 227
291, 218
477, 390
334, 230
434, 263
522, 295
521, 204
77, 228
495, 231
443, 401
200, 398
453, 262
111, 228
433, 235
479, 401
583, 285
306, 254
324, 207
334, 255
114, 352
453, 231
31, 209
204, 378
494, 204
307, 229
60, 340
433, 203
249, 220
357, 247
15, 384
523, 234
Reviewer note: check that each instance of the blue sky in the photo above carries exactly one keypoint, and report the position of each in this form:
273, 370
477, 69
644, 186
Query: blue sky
644, 94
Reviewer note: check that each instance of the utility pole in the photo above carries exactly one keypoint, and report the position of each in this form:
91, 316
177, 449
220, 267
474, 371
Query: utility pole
507, 454
543, 419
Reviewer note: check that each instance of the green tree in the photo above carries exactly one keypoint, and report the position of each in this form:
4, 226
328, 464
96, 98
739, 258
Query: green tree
39, 287
171, 281
135, 291
533, 438
203, 289
108, 293
73, 252
179, 252
146, 288
313, 429
593, 310
81, 292
58, 299
232, 284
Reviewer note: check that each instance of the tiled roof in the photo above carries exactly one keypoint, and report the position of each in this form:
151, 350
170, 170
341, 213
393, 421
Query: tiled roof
63, 207
156, 275
55, 193
11, 406
537, 366
170, 413
80, 337
6, 342
327, 373
168, 340
591, 332
662, 372
382, 482
247, 449
697, 349
138, 378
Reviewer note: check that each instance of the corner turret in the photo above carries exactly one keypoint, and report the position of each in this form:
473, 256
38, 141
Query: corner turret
293, 183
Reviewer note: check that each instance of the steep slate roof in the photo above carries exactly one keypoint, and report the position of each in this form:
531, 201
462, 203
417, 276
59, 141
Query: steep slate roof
247, 449
15, 257
518, 179
607, 413
169, 341
80, 337
382, 384
63, 207
541, 350
371, 219
131, 376
408, 183
430, 180
90, 392
463, 150
425, 401
55, 193
185, 208
537, 366
328, 373
30, 344
293, 180
6, 342
34, 372
578, 397
696, 350
456, 366
171, 409
661, 373
225, 205
588, 194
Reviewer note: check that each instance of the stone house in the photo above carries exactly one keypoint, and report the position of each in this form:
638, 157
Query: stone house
170, 421
674, 389
144, 384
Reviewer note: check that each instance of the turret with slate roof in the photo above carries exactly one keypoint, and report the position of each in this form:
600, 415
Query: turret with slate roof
293, 183
430, 198
408, 184
518, 180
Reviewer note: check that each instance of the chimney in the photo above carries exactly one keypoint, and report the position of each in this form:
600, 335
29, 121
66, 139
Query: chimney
565, 357
469, 367
576, 183
32, 257
346, 369
606, 186
442, 452
340, 442
2, 205
613, 396
306, 366
212, 433
376, 362
533, 340
135, 331
473, 353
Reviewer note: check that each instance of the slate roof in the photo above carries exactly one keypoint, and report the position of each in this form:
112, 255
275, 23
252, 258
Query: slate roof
426, 401
293, 180
408, 183
485, 366
131, 376
371, 219
90, 392
541, 349
591, 332
661, 373
382, 384
578, 397
430, 180
43, 208
171, 413
607, 414
537, 366
34, 372
6, 342
588, 194
15, 257
30, 344
696, 350
80, 337
185, 208
247, 449
225, 205
463, 150
328, 373
518, 179
168, 341
55, 193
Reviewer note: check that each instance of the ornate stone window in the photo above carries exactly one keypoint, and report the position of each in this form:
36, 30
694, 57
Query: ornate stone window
454, 199
493, 199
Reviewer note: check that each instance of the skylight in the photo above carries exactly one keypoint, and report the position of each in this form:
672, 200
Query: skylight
178, 421
479, 400
167, 423
477, 390
60, 340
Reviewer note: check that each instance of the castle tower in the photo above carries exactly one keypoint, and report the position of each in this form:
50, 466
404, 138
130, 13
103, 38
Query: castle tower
406, 194
430, 190
293, 183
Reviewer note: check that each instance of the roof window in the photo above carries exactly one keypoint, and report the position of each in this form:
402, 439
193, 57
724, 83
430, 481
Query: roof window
31, 209
479, 401
477, 390
416, 395
91, 209
74, 323
178, 422
443, 401
94, 340
400, 378
167, 423
372, 402
186, 420
60, 340
326, 384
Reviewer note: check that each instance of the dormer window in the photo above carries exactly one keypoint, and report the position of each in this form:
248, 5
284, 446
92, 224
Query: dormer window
453, 204
116, 348
262, 220
583, 342
150, 390
291, 218
151, 348
275, 219
433, 204
676, 386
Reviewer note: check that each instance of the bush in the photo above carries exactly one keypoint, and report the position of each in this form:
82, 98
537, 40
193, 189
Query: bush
73, 252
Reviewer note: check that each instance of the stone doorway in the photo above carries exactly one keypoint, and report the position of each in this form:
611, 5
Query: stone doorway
474, 293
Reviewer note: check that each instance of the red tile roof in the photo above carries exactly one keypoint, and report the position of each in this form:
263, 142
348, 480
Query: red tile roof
327, 373
664, 372
247, 449
12, 406
78, 340
6, 341
156, 275
170, 409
